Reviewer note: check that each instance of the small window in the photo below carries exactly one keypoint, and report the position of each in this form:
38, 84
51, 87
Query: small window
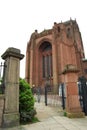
69, 33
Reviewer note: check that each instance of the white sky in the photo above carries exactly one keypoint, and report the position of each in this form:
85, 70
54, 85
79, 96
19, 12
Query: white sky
19, 18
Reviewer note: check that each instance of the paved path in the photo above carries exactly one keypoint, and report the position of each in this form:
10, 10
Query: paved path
51, 118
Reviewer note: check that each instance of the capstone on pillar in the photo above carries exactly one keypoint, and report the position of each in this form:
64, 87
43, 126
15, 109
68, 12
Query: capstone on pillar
12, 59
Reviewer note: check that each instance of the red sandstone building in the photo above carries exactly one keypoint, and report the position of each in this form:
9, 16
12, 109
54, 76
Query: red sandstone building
50, 52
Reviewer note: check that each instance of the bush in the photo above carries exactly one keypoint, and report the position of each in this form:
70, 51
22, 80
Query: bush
26, 102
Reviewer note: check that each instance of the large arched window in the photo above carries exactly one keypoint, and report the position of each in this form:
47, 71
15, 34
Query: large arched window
46, 53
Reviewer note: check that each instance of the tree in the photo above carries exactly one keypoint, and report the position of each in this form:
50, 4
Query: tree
26, 102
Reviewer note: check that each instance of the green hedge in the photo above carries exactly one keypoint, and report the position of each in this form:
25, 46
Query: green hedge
26, 102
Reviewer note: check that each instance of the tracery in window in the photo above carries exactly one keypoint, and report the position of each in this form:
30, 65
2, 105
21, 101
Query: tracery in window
46, 51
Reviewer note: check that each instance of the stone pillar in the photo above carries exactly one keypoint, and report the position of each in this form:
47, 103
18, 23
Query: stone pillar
27, 65
73, 108
2, 98
12, 58
37, 67
55, 78
31, 66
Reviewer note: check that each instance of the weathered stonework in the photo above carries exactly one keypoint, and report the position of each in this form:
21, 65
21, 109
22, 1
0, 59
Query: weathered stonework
84, 65
73, 108
12, 59
65, 42
2, 99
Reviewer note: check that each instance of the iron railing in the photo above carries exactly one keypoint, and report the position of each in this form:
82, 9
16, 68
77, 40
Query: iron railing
2, 77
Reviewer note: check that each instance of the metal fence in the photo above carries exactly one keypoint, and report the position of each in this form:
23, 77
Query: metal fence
2, 77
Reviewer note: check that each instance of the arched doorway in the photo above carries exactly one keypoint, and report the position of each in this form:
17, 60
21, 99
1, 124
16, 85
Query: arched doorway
45, 63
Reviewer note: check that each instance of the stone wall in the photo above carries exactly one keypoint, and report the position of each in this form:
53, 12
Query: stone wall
67, 48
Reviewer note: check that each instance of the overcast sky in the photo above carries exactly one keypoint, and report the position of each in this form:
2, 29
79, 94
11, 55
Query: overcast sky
19, 18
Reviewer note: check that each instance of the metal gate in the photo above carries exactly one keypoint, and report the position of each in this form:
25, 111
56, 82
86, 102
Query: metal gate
82, 87
62, 94
2, 76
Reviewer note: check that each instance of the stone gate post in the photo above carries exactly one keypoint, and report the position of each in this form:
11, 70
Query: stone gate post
12, 59
73, 108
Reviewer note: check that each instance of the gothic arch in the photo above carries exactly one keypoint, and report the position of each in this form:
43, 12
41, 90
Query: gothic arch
44, 40
45, 55
44, 61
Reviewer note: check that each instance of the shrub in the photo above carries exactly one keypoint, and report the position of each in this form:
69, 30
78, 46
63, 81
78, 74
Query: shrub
26, 102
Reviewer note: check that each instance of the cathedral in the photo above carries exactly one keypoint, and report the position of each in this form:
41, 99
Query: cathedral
49, 52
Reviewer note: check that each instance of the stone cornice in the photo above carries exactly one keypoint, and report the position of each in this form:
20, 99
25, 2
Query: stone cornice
69, 68
45, 32
12, 52
41, 34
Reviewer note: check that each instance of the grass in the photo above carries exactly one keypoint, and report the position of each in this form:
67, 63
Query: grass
35, 119
65, 114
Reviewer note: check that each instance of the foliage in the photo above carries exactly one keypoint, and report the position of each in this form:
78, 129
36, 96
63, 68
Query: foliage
65, 113
26, 102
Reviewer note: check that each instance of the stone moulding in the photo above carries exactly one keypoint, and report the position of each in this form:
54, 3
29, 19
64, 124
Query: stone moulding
42, 34
12, 52
70, 68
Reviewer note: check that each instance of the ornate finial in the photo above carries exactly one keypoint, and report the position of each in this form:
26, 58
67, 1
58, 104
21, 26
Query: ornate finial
70, 21
36, 30
75, 19
54, 23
